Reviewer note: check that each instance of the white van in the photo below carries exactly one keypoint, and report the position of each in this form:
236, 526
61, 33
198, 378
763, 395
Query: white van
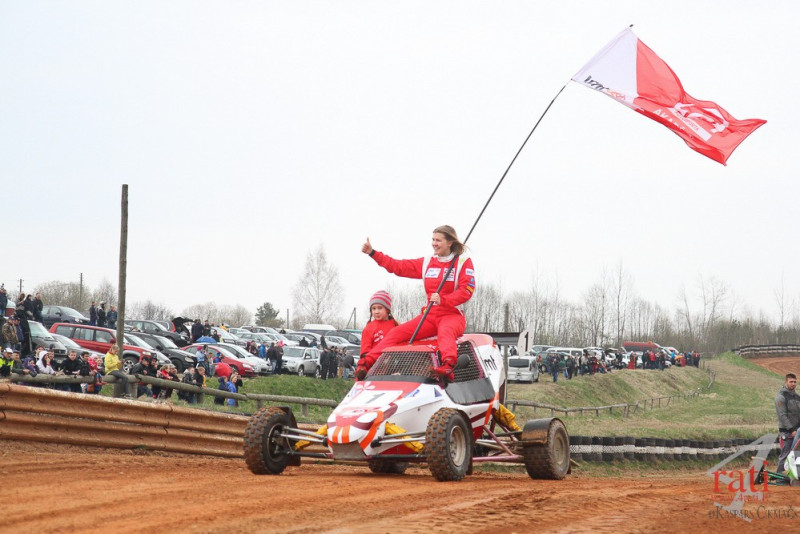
318, 328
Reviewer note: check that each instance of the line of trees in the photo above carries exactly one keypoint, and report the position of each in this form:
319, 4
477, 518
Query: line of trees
708, 317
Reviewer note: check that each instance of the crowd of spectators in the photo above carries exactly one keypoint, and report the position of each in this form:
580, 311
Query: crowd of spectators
591, 362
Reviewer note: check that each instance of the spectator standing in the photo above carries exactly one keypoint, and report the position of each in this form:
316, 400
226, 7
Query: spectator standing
787, 406
324, 362
30, 307
71, 366
552, 364
223, 386
111, 317
200, 377
272, 356
279, 352
10, 339
101, 315
200, 356
333, 363
303, 342
348, 363
3, 300
188, 378
38, 306
207, 329
234, 383
570, 367
322, 343
93, 314
197, 330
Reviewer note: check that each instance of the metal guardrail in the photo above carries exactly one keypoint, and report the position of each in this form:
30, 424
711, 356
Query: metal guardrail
766, 351
39, 414
258, 398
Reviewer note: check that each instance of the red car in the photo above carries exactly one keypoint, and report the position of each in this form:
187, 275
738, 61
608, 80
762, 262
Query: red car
225, 355
99, 339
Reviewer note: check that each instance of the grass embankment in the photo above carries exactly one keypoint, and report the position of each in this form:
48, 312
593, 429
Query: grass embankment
739, 404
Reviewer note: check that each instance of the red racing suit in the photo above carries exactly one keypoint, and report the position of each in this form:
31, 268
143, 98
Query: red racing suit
374, 333
445, 321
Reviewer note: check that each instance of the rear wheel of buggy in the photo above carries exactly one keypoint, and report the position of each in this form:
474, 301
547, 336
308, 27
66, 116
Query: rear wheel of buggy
549, 460
448, 445
387, 467
265, 451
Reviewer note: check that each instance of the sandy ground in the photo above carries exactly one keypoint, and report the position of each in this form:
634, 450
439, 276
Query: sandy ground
782, 366
61, 488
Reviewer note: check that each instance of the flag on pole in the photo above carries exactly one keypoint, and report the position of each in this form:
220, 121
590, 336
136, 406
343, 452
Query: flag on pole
628, 71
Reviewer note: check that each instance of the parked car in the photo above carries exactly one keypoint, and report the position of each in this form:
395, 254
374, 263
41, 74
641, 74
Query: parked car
225, 355
99, 339
227, 337
71, 345
341, 343
260, 367
308, 336
42, 338
153, 327
178, 357
62, 314
353, 338
262, 329
523, 369
301, 360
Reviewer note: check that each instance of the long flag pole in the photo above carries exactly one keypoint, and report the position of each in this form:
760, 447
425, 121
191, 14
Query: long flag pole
455, 259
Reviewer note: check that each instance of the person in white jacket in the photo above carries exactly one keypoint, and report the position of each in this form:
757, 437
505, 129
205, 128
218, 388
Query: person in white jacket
45, 363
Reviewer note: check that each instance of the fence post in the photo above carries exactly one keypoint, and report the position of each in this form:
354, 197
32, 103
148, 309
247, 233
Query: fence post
304, 409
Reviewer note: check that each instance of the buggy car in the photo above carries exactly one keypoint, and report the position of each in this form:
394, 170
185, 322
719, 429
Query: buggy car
401, 414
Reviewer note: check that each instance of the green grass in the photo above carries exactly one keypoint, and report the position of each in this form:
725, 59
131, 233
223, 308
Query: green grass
739, 404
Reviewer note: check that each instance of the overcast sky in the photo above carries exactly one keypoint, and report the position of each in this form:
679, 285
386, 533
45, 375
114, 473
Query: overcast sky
252, 132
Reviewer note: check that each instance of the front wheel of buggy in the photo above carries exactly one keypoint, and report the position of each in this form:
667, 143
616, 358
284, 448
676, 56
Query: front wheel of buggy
448, 445
387, 467
549, 460
265, 451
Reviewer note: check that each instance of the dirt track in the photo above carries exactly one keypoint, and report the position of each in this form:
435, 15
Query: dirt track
789, 364
62, 488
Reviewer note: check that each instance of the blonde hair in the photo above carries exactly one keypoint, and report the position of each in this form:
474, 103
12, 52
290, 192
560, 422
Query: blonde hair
456, 246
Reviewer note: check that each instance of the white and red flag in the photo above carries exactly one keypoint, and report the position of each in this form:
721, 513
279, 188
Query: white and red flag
628, 71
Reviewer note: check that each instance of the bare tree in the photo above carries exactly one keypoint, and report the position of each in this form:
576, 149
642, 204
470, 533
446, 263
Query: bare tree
318, 292
235, 315
621, 289
407, 301
148, 310
781, 300
594, 313
207, 311
59, 293
105, 292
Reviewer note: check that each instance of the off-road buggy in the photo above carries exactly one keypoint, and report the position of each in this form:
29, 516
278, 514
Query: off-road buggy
399, 414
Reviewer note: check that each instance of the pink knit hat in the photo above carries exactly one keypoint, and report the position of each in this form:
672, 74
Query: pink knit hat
383, 298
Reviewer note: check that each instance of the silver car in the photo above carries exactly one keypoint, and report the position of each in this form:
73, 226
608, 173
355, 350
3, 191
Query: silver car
301, 360
523, 369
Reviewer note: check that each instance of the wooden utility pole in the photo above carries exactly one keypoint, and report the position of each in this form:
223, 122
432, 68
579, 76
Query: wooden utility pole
123, 268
